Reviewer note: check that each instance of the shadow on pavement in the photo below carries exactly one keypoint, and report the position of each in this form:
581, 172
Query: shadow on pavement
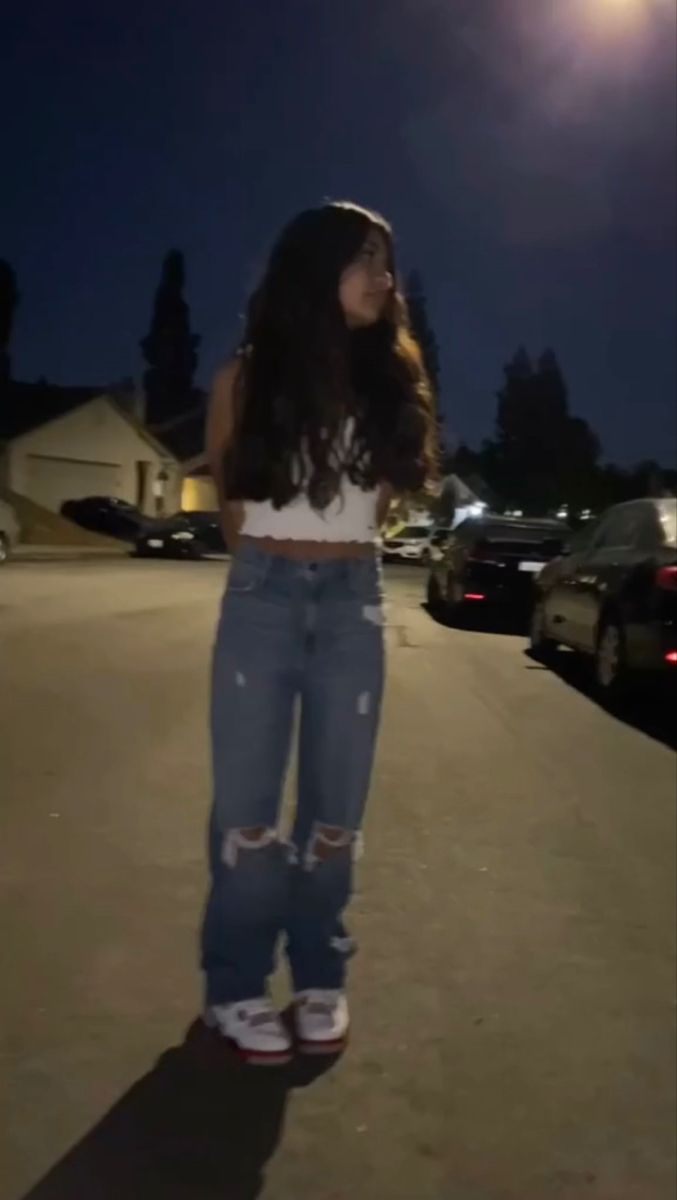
509, 622
199, 1125
650, 712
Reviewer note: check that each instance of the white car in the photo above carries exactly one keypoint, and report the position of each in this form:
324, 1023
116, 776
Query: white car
411, 544
9, 531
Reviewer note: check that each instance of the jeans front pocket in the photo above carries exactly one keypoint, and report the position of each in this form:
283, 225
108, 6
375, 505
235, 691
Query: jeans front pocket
246, 575
365, 580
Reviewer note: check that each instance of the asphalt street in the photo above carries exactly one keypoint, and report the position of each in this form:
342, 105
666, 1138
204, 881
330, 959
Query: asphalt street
514, 997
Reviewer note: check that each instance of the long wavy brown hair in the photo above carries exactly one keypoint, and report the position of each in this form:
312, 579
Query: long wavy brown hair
304, 372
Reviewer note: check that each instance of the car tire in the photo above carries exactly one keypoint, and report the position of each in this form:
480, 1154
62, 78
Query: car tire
541, 646
455, 606
4, 549
610, 663
433, 593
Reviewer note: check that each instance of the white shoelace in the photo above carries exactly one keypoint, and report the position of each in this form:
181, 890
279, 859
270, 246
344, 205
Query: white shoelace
258, 1013
321, 1003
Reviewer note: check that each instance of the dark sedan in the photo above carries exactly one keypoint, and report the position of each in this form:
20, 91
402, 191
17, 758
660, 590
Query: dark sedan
614, 596
106, 514
186, 535
491, 561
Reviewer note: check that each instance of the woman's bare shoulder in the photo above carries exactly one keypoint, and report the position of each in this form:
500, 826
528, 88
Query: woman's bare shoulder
222, 406
225, 379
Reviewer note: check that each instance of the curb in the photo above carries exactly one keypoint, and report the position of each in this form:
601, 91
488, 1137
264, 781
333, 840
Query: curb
65, 553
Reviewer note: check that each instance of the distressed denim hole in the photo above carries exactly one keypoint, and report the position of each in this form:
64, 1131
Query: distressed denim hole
326, 842
253, 839
374, 614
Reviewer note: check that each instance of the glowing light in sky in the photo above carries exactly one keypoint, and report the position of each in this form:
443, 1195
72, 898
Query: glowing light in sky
617, 18
619, 8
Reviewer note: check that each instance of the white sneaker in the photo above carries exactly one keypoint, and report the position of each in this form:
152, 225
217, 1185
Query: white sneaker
253, 1029
322, 1021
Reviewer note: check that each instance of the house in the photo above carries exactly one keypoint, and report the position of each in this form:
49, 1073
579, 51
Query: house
460, 498
61, 444
185, 437
198, 493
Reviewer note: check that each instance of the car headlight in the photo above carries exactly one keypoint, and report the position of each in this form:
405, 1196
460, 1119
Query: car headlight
183, 536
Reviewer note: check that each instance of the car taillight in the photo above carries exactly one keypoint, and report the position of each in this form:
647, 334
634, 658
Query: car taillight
671, 657
666, 578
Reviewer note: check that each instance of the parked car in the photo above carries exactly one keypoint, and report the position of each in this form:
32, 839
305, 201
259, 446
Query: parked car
613, 596
491, 561
185, 535
439, 536
411, 544
9, 531
106, 514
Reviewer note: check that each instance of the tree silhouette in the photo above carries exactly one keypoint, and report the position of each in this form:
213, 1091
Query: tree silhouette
422, 329
542, 457
170, 349
9, 298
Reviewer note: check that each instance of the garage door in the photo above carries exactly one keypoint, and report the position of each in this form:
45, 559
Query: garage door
50, 481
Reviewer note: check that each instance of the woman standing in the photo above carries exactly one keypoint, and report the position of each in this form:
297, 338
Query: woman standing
323, 416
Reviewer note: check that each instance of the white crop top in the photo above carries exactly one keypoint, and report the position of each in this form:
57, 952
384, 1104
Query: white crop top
350, 517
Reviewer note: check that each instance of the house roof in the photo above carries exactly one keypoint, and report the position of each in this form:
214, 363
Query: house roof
158, 443
455, 486
184, 436
26, 406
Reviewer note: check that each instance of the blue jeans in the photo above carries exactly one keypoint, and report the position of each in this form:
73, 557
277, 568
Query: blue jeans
288, 632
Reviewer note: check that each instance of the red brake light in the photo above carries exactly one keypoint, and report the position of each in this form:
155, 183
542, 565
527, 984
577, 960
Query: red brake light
666, 578
474, 596
671, 657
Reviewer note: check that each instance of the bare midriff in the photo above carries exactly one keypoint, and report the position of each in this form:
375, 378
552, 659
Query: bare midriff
299, 551
310, 551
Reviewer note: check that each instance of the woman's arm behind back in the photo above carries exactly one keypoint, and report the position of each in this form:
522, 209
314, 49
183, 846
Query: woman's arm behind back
220, 430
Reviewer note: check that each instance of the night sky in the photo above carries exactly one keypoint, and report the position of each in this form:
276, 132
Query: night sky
524, 149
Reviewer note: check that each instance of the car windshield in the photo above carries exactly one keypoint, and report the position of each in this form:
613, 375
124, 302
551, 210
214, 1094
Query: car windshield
414, 531
667, 515
580, 540
522, 532
517, 537
109, 502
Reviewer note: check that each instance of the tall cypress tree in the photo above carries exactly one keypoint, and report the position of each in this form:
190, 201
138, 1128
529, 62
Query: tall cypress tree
170, 349
425, 336
9, 298
542, 456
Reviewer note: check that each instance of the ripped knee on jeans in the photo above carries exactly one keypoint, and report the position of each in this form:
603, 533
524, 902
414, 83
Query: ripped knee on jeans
257, 837
328, 842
